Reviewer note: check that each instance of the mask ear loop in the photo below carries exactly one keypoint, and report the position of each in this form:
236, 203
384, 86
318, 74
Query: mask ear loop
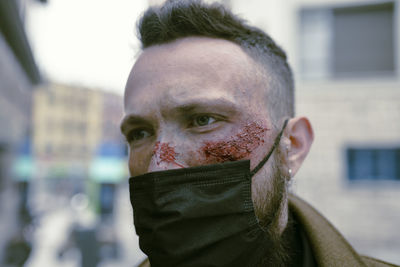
276, 143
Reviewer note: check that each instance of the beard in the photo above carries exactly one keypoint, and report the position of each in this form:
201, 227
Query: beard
269, 200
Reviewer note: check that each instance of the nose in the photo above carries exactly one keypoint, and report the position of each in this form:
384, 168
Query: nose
164, 158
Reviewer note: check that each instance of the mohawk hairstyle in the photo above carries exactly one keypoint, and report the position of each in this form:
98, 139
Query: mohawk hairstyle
177, 19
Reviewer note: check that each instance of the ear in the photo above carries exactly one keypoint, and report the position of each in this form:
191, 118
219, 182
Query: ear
299, 137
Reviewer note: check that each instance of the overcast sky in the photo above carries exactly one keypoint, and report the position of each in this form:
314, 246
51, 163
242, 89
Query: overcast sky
85, 42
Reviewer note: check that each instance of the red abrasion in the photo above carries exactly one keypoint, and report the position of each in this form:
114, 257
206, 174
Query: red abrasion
165, 152
238, 147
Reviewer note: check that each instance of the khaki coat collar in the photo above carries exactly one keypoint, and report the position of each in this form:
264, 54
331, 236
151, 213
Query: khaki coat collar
328, 246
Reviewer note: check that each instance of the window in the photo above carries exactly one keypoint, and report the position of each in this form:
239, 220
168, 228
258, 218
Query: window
353, 41
363, 40
373, 163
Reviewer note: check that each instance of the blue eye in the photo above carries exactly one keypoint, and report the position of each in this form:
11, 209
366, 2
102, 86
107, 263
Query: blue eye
203, 120
137, 135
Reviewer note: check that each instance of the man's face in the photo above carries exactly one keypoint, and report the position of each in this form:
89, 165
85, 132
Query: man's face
193, 102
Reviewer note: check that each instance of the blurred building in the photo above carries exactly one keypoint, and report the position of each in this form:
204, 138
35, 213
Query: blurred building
112, 110
68, 126
79, 154
346, 59
71, 125
76, 140
18, 75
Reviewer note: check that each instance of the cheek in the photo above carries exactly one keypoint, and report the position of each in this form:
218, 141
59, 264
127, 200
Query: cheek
237, 147
131, 163
139, 161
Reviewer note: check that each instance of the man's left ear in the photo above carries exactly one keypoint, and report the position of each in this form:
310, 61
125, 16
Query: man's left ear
298, 139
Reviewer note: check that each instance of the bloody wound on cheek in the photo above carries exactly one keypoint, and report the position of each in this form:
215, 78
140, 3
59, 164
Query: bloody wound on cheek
165, 152
238, 147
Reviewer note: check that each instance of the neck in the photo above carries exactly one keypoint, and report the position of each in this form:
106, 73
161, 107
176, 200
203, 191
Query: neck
281, 223
285, 248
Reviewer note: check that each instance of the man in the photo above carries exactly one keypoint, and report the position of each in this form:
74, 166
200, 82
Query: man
214, 144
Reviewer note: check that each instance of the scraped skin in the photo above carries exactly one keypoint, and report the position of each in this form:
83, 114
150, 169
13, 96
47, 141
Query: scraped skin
165, 153
237, 147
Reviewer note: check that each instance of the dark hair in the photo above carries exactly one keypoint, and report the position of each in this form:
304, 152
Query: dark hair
177, 19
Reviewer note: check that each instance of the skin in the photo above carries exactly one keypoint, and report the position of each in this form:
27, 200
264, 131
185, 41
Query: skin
199, 101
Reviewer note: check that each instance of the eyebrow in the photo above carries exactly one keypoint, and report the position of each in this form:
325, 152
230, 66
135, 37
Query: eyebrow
204, 105
131, 120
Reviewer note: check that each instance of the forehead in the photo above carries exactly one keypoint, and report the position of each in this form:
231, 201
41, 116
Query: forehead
191, 67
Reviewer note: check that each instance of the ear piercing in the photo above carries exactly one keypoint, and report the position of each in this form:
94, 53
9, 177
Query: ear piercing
290, 170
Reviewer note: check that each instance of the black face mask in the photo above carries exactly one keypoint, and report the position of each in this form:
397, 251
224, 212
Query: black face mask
200, 216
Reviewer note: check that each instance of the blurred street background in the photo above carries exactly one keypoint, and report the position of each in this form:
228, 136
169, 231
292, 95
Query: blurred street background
64, 197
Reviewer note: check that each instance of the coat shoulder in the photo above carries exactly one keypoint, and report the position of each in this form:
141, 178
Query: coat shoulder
371, 262
145, 263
